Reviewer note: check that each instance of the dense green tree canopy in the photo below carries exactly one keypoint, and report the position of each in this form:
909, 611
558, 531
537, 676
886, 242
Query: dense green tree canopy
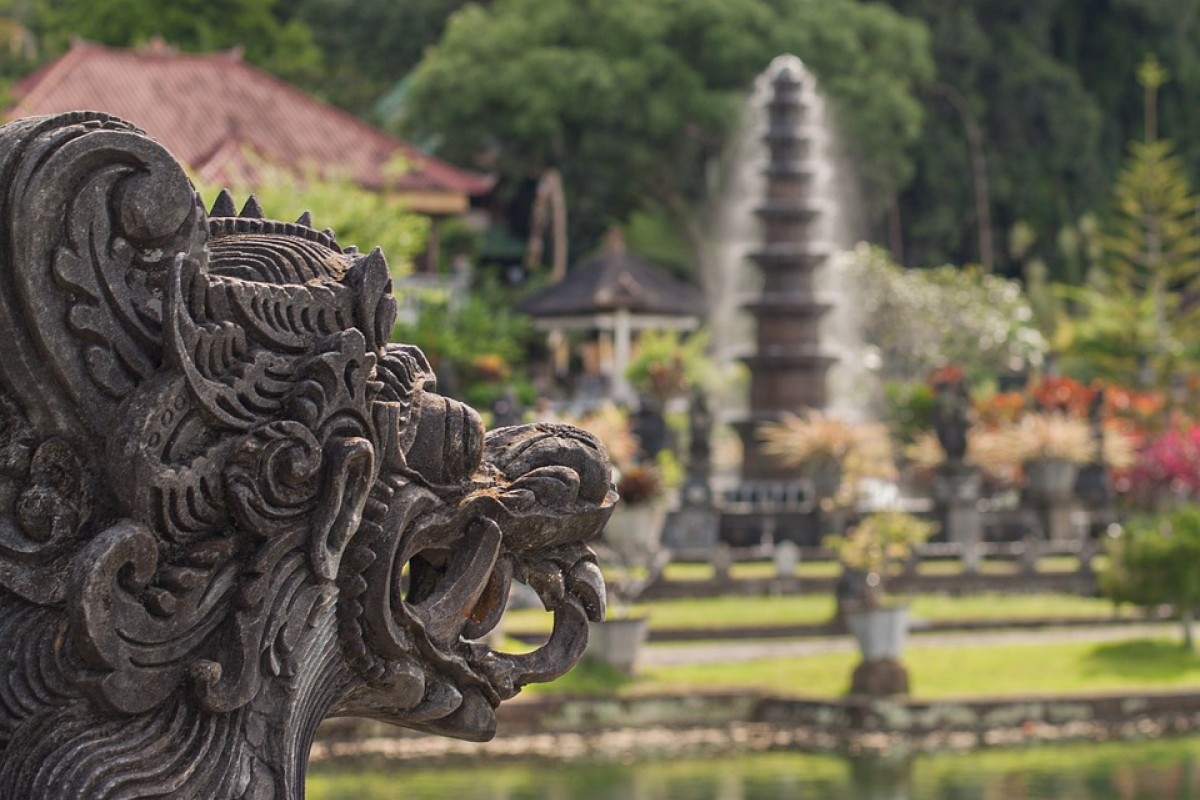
914, 321
369, 45
286, 48
1051, 86
632, 99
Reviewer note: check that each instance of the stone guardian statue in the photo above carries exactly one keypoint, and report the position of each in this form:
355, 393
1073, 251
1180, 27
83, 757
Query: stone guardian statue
229, 507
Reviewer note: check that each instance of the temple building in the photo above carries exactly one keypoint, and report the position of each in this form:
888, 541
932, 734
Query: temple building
608, 300
227, 122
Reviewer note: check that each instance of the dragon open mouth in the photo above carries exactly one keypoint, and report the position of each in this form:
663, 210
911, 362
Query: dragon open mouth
456, 597
440, 574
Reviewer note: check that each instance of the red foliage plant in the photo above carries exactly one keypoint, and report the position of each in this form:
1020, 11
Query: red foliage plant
1062, 394
946, 374
639, 484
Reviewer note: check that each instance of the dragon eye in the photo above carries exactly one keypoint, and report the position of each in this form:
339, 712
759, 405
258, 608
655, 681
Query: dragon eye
449, 440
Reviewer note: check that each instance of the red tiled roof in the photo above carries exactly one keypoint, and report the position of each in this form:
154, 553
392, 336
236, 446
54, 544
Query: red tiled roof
224, 118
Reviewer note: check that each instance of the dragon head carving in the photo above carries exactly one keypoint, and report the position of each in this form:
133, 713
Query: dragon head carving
229, 507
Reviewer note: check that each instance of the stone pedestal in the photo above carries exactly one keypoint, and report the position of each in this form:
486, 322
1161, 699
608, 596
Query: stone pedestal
880, 632
880, 677
634, 532
1050, 491
1029, 554
722, 562
617, 642
692, 528
1056, 520
1087, 553
786, 556
956, 491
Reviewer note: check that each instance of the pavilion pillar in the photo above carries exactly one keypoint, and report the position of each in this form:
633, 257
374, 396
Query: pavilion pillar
433, 245
622, 349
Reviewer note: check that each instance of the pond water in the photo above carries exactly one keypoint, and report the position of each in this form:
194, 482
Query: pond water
1158, 770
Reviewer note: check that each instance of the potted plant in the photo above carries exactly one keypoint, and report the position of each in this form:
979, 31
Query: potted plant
630, 552
667, 364
875, 547
828, 450
635, 529
1050, 446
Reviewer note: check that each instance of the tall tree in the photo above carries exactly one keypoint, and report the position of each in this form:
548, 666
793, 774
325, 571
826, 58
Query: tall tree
1038, 122
632, 99
1048, 85
1151, 258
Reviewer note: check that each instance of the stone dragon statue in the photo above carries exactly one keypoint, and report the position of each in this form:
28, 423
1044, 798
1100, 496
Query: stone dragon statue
229, 507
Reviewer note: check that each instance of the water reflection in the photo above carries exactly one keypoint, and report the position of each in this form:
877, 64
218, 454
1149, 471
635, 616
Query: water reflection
1113, 771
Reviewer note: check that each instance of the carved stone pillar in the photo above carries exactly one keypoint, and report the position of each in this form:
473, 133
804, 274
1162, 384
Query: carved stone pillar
229, 507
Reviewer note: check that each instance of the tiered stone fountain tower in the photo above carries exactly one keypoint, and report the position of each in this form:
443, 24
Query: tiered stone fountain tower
787, 366
787, 369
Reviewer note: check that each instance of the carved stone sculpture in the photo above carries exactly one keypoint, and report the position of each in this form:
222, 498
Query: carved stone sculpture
952, 418
229, 508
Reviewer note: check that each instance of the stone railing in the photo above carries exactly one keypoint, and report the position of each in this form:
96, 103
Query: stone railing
1010, 567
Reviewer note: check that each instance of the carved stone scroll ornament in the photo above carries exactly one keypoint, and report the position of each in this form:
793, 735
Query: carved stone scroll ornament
229, 508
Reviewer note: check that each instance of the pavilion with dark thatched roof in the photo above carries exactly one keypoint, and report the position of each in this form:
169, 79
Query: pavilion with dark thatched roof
615, 295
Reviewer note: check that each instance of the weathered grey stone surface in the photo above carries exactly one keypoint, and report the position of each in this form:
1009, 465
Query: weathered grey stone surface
229, 508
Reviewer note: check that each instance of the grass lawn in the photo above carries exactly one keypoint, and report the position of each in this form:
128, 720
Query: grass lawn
998, 606
957, 671
735, 612
954, 567
935, 672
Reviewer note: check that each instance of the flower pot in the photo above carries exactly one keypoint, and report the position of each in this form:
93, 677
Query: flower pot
1050, 478
617, 642
825, 474
635, 531
880, 632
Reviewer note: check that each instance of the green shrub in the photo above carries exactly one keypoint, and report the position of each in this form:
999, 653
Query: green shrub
1156, 560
